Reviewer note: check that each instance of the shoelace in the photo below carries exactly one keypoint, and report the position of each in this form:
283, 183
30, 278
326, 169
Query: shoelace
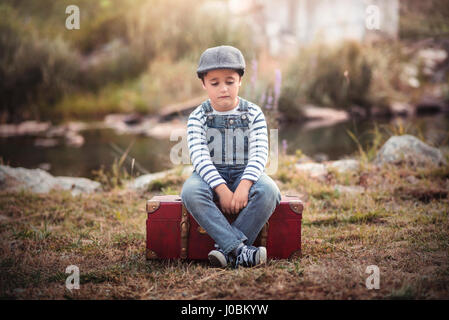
246, 257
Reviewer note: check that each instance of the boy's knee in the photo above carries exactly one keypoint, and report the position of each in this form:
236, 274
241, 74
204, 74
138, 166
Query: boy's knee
193, 189
268, 191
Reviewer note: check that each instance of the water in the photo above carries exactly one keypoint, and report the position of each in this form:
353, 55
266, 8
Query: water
153, 154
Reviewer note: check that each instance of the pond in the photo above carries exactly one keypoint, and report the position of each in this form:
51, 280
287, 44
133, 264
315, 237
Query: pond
102, 146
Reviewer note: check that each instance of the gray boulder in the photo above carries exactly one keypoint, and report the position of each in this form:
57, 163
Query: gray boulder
34, 180
143, 181
320, 170
77, 185
40, 181
314, 170
409, 149
349, 189
344, 165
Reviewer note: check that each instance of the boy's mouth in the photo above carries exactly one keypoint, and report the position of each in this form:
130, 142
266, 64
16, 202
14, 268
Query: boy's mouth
223, 97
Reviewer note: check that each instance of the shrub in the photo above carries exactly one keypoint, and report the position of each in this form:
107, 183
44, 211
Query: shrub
32, 70
342, 77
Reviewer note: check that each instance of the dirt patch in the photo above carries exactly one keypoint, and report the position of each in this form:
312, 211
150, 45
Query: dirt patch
422, 194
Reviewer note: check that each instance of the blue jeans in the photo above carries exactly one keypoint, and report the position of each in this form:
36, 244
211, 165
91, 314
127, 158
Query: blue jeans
263, 198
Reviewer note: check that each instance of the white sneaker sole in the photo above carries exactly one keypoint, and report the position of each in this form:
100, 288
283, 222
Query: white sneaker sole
217, 259
262, 255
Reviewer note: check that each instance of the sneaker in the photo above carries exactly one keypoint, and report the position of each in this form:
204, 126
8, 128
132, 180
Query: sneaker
218, 258
249, 256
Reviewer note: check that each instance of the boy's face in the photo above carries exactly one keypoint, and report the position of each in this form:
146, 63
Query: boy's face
222, 86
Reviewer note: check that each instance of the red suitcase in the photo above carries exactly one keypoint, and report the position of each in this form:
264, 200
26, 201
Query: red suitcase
173, 233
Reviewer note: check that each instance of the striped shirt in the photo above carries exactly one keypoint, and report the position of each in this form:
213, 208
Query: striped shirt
200, 154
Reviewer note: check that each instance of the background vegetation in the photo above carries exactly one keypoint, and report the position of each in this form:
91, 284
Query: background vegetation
138, 56
127, 56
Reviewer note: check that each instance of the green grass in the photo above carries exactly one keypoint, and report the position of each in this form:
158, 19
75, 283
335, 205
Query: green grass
104, 235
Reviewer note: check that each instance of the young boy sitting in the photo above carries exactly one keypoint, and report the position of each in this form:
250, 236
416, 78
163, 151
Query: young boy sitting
228, 146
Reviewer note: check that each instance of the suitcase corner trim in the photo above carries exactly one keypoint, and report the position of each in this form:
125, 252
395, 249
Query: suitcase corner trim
152, 206
296, 206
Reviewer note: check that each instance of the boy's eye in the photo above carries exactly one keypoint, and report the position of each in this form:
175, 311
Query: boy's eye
216, 83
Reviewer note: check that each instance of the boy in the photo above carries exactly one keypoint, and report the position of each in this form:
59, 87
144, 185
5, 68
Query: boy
228, 145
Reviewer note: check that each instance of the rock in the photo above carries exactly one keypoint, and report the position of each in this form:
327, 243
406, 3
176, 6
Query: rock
143, 181
40, 181
409, 149
45, 142
345, 165
74, 139
312, 112
314, 170
69, 128
35, 180
349, 189
24, 128
321, 157
320, 170
150, 126
402, 109
322, 117
164, 130
77, 185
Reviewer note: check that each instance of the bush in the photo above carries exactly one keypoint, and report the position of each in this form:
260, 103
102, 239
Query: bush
64, 70
343, 77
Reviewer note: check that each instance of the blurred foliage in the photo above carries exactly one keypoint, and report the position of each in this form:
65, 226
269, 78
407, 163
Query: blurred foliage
420, 19
345, 76
141, 55
31, 68
115, 47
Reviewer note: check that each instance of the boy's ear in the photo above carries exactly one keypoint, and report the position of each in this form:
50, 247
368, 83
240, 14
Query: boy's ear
202, 83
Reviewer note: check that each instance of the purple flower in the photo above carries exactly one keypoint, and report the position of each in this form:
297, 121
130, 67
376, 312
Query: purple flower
277, 86
254, 73
269, 100
284, 146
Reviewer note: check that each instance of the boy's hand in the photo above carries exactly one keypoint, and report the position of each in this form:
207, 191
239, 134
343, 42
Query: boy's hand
225, 196
240, 198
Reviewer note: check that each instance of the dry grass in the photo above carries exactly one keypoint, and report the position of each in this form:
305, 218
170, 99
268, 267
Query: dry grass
401, 227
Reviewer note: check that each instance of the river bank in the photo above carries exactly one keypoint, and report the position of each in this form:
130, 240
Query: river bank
80, 148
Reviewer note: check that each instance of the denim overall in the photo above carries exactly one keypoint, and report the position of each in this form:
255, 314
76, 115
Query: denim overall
231, 131
199, 198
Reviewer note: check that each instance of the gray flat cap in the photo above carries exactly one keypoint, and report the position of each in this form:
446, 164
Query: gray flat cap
222, 57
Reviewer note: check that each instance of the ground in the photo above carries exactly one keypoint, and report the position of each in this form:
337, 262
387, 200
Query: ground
399, 223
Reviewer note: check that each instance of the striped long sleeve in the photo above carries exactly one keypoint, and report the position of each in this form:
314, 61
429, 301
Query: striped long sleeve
199, 151
258, 145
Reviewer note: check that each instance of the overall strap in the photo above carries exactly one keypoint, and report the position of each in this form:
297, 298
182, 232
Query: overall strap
207, 108
243, 105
